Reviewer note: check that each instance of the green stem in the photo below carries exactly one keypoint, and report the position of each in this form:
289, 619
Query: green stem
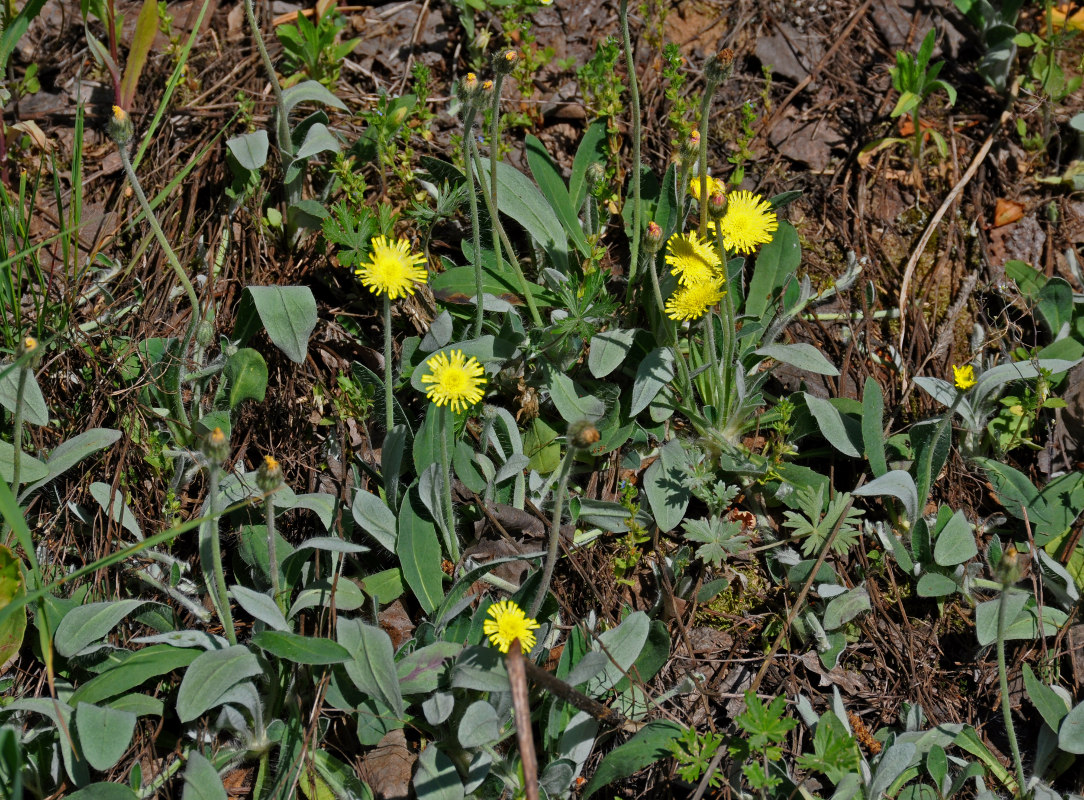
713, 357
475, 226
730, 363
214, 476
634, 102
555, 532
702, 156
494, 156
389, 409
282, 124
491, 208
17, 432
261, 774
273, 557
656, 289
1003, 678
451, 545
163, 777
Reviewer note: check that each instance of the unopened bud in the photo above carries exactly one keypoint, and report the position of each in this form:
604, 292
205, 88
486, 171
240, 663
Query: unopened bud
269, 475
487, 88
690, 148
216, 446
719, 67
595, 176
505, 62
717, 205
30, 349
583, 434
119, 128
653, 237
1008, 569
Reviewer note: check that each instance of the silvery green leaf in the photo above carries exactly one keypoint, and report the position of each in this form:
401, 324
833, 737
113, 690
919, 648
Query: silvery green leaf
260, 606
802, 355
653, 373
896, 483
479, 725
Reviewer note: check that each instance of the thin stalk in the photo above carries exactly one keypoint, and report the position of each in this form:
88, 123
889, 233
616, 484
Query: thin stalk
730, 345
702, 156
163, 777
634, 102
713, 356
657, 291
261, 774
450, 543
475, 226
272, 556
281, 123
1003, 679
491, 209
555, 532
17, 433
494, 155
214, 477
389, 410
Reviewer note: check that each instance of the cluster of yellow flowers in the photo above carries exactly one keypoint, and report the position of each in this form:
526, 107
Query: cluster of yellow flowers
748, 222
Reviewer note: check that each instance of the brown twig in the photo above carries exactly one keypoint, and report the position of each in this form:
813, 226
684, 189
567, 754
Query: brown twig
517, 676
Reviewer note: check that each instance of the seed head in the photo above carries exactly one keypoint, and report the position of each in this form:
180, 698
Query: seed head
582, 434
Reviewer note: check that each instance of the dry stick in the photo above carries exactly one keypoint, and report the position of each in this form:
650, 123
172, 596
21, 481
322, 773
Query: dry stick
517, 676
755, 685
808, 79
935, 220
558, 688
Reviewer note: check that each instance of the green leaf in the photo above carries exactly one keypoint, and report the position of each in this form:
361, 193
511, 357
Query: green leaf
34, 408
456, 285
12, 585
104, 791
777, 261
70, 452
955, 542
722, 538
1046, 701
623, 644
650, 744
609, 516
898, 484
375, 518
300, 649
842, 608
521, 200
541, 447
654, 372
835, 752
843, 433
570, 405
311, 92
553, 188
103, 733
372, 662
384, 586
590, 151
247, 374
250, 149
118, 510
347, 596
608, 350
419, 553
210, 676
934, 584
873, 439
1071, 733
288, 314
145, 30
436, 777
90, 623
479, 725
129, 670
666, 486
803, 356
1055, 306
420, 671
1012, 487
30, 469
201, 779
318, 139
1022, 615
16, 28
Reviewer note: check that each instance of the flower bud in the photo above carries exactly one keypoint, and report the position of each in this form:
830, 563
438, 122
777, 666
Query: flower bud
690, 148
30, 349
215, 446
505, 62
717, 206
582, 434
1008, 569
467, 89
119, 128
486, 90
269, 475
719, 67
653, 237
205, 333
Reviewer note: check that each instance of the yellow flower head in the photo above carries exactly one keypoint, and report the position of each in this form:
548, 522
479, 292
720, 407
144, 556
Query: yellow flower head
454, 378
691, 259
713, 184
508, 624
748, 223
963, 377
392, 270
692, 301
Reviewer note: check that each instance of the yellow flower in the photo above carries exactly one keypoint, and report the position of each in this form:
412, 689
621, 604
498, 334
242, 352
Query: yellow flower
508, 624
749, 222
713, 184
690, 302
690, 259
963, 377
119, 114
392, 270
454, 378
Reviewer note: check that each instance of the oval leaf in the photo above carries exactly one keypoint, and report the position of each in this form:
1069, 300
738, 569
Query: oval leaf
104, 734
654, 372
300, 649
211, 676
90, 623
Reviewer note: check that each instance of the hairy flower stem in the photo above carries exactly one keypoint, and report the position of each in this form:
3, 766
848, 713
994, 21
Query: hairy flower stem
1003, 679
494, 156
702, 158
451, 545
17, 429
491, 209
389, 408
475, 227
173, 381
282, 124
222, 600
730, 334
634, 103
272, 554
261, 774
555, 532
713, 357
